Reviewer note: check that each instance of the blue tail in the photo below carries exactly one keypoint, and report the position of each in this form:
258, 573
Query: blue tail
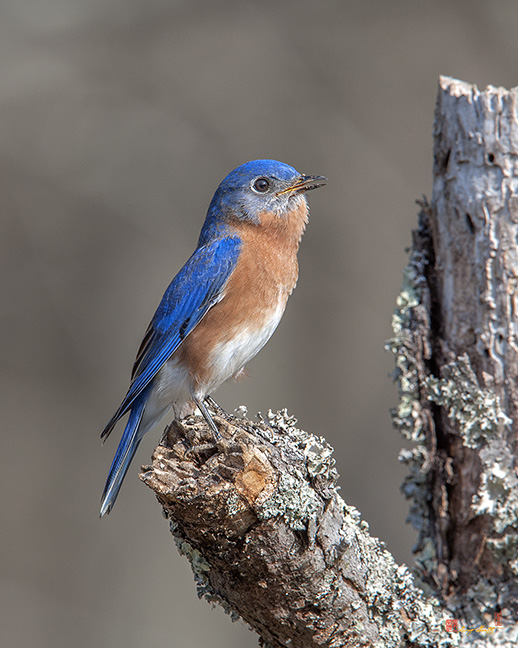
128, 445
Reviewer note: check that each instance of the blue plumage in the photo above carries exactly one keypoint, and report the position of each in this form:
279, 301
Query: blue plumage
162, 378
129, 443
188, 297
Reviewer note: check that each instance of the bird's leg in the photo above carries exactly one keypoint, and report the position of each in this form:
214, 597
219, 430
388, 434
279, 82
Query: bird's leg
224, 445
219, 410
210, 401
206, 415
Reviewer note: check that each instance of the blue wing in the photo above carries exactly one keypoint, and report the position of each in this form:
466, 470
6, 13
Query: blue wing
189, 296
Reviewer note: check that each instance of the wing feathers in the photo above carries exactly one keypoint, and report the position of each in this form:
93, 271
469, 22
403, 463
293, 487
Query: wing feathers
196, 288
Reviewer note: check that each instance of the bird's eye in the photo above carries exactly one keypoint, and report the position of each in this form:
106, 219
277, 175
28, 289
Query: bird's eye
261, 185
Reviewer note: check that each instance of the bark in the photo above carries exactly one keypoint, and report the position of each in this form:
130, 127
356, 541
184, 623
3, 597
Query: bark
467, 246
270, 539
259, 516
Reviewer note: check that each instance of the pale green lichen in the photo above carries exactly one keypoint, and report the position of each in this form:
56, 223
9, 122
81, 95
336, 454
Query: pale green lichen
319, 459
294, 500
393, 594
498, 491
481, 423
318, 454
478, 415
426, 557
476, 410
408, 298
200, 567
407, 416
416, 459
233, 504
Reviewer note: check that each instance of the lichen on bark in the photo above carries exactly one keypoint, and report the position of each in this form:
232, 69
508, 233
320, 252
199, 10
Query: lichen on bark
455, 330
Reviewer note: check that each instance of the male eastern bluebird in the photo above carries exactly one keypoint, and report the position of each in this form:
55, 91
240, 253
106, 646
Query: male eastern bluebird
221, 308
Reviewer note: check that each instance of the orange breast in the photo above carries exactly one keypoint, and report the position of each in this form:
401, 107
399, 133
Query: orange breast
254, 297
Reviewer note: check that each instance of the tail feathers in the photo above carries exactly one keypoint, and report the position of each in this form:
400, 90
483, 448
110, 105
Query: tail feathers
128, 445
112, 423
108, 429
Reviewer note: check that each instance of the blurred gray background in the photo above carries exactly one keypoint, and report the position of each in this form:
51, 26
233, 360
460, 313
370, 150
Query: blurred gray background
118, 119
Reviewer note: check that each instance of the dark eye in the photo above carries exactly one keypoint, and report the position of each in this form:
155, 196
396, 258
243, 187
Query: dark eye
261, 185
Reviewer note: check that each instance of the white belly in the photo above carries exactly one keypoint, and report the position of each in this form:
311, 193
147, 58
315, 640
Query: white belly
228, 358
173, 385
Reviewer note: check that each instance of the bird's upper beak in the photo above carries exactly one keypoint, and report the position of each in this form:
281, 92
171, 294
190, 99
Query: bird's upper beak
304, 183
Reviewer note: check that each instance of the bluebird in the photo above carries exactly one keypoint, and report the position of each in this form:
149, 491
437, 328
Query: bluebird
222, 306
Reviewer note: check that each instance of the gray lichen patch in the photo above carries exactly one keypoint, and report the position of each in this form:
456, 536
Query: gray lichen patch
394, 595
409, 296
407, 417
498, 495
319, 459
415, 484
298, 496
201, 569
476, 410
318, 453
481, 424
506, 549
199, 565
294, 500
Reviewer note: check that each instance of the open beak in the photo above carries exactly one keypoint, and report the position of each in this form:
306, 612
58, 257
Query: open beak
304, 183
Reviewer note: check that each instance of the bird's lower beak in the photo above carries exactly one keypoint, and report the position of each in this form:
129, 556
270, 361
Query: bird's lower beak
304, 183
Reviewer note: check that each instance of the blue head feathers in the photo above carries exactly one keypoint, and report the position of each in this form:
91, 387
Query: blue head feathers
254, 188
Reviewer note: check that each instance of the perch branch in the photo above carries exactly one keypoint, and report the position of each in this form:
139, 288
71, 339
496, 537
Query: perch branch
270, 539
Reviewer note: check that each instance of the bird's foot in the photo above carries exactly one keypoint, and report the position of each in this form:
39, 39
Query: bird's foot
220, 443
217, 408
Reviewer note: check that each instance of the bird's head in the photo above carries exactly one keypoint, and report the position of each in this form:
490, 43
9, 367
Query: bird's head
261, 186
